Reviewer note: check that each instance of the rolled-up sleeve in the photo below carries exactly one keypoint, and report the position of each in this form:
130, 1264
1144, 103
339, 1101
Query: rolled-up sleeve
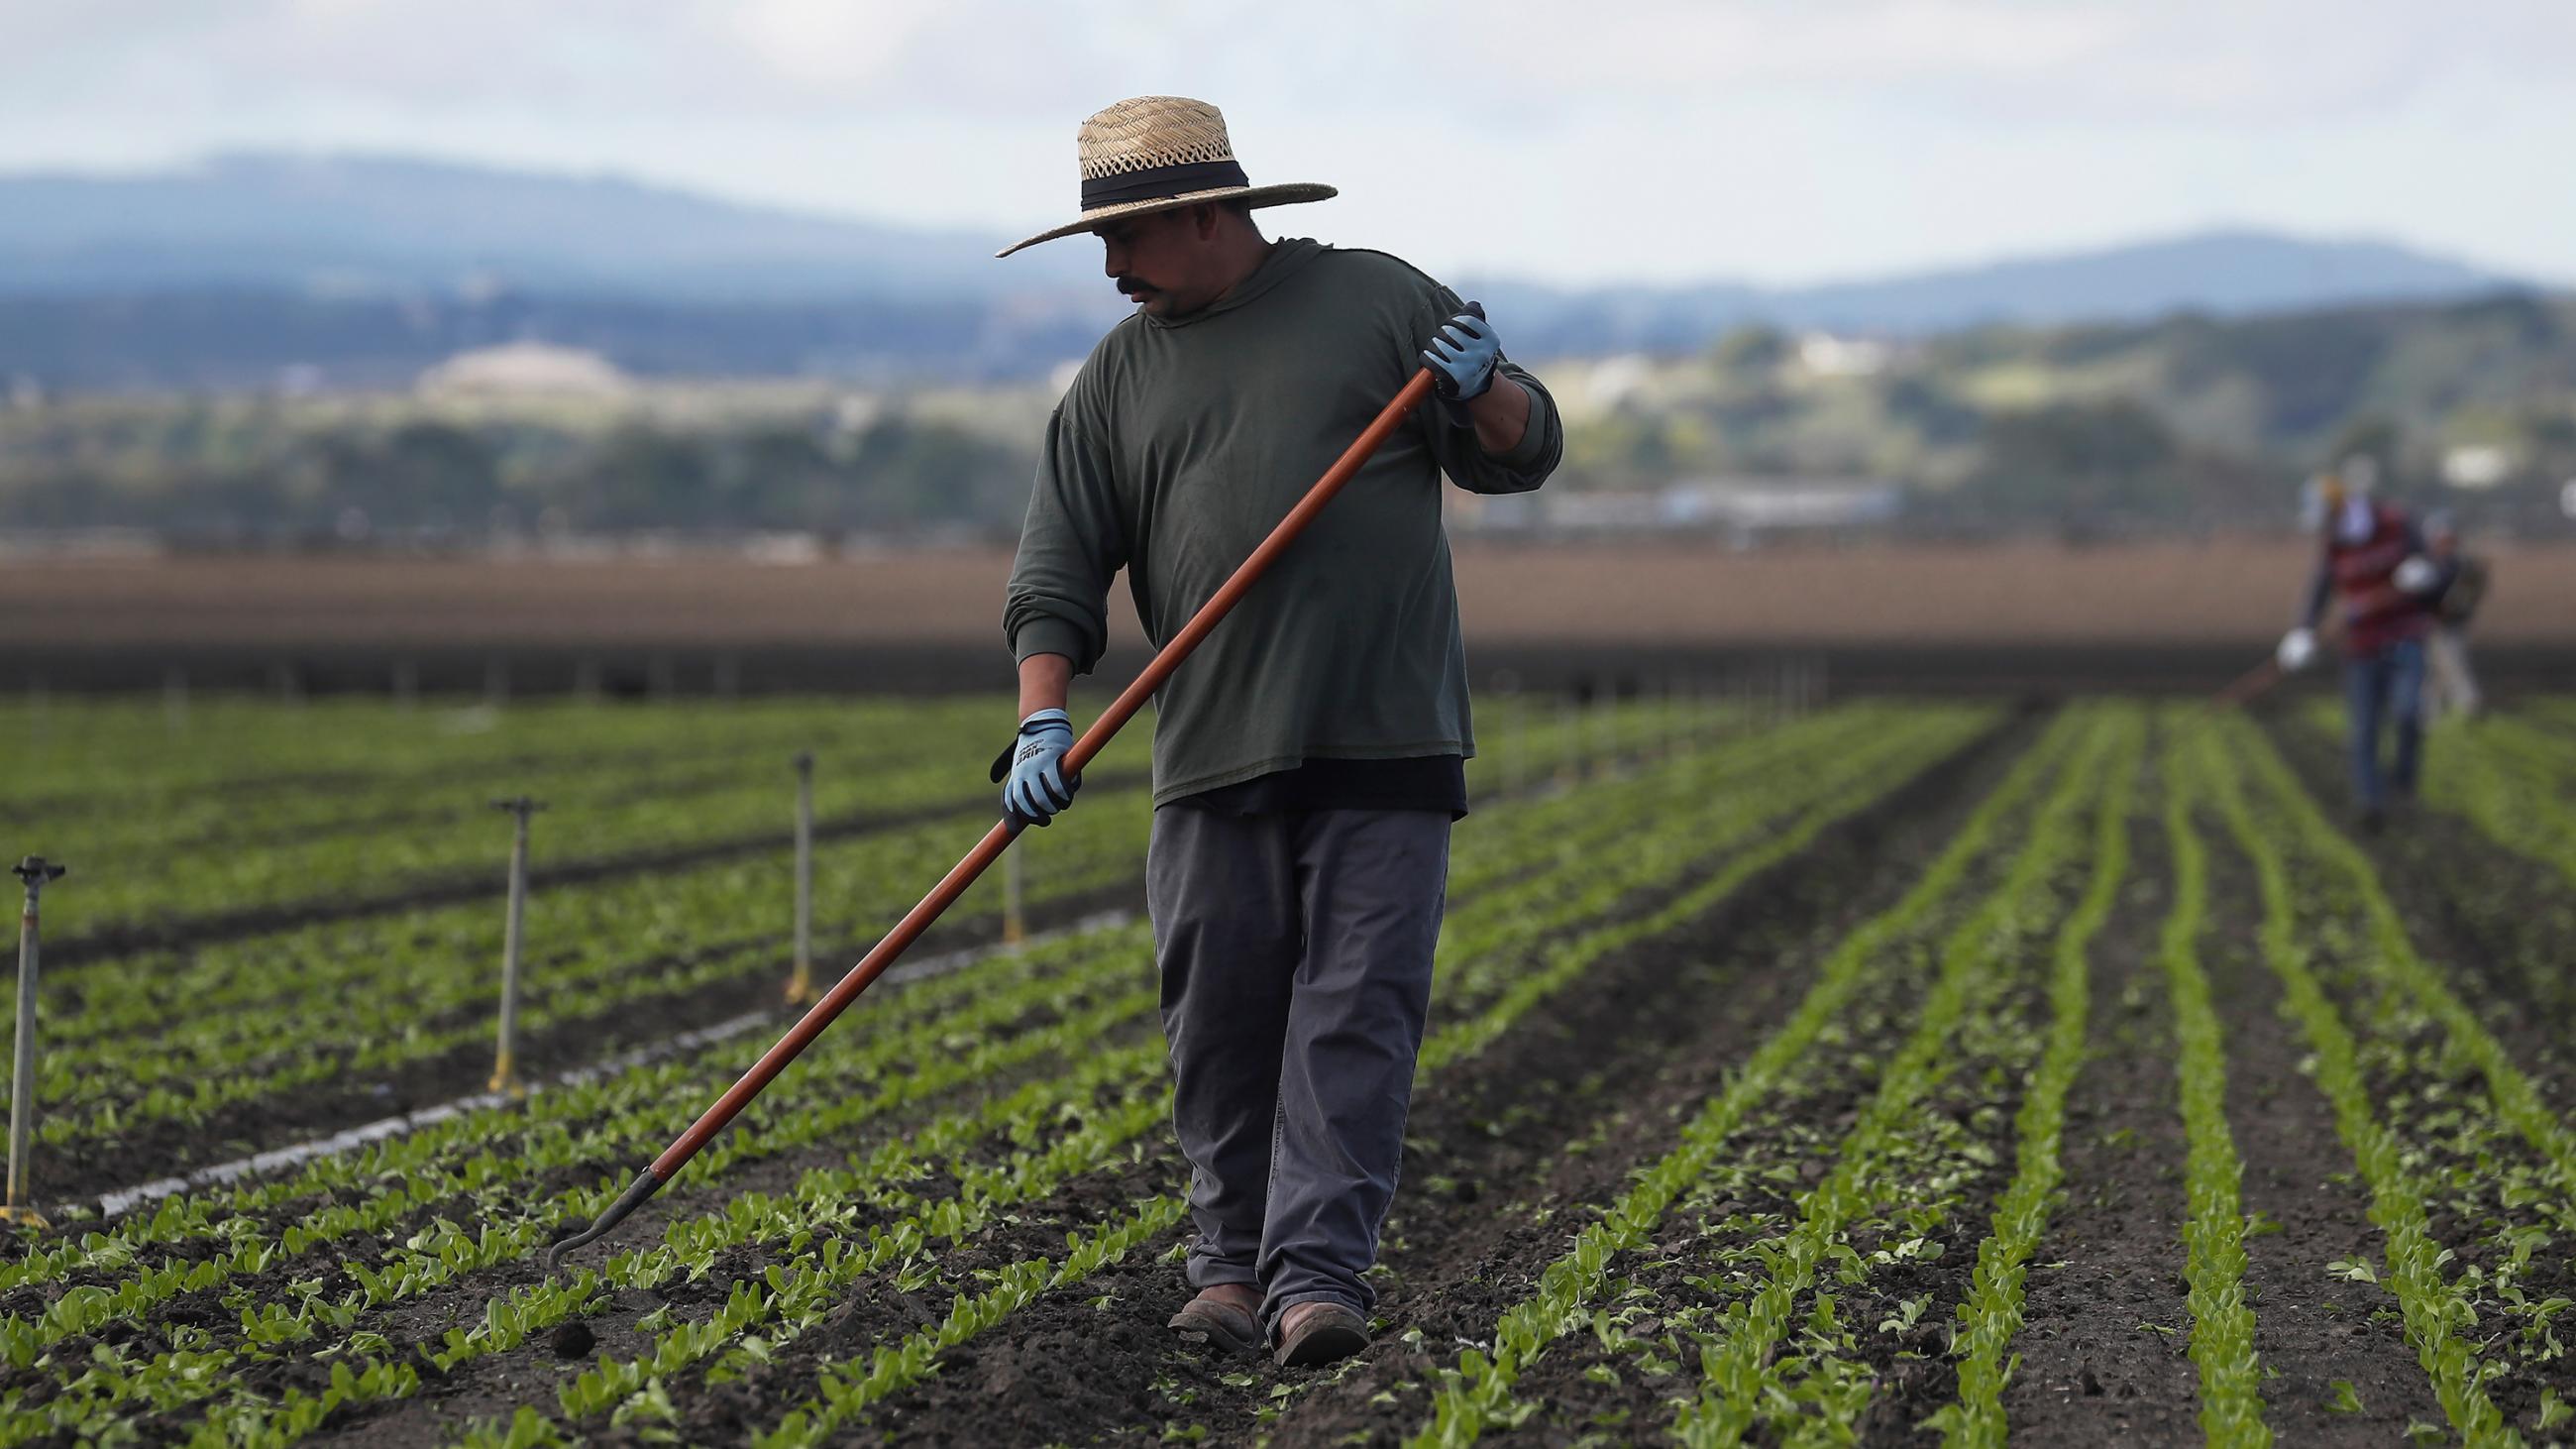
1542, 446
1072, 545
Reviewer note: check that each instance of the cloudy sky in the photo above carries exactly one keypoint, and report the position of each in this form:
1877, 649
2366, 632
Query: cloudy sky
1772, 140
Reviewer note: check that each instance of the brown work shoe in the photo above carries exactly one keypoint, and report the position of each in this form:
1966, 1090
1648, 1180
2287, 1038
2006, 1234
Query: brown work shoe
1311, 1334
1226, 1315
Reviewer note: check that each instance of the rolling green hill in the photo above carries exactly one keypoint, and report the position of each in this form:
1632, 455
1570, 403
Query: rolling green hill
2186, 422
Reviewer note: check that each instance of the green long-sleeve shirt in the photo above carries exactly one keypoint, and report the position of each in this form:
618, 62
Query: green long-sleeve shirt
1184, 441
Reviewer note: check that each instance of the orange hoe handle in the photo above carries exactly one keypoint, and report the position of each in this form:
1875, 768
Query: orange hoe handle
2263, 676
999, 838
2249, 684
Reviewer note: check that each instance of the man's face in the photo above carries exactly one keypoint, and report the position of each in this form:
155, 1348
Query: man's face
2330, 497
1160, 260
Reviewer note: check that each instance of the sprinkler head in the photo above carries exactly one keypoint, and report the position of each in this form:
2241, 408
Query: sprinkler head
35, 870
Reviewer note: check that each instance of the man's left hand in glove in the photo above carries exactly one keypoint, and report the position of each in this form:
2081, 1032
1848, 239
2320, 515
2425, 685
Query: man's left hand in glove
1465, 356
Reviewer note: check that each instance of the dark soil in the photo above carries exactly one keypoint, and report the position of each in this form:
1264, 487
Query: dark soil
2105, 1331
1489, 1174
1511, 1152
1767, 1167
526, 1374
1583, 1390
2502, 931
323, 1264
2311, 1328
149, 1151
495, 1384
882, 1312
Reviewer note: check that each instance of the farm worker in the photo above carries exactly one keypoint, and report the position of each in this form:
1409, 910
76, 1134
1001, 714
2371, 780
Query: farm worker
1309, 759
2371, 555
2449, 686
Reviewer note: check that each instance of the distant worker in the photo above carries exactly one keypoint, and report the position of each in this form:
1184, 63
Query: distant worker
2450, 687
2373, 558
1309, 759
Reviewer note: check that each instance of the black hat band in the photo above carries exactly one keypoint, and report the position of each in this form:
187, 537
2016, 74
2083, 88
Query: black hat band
1156, 183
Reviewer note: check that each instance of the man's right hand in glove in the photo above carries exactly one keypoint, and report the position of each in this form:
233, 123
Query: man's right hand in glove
1031, 771
2297, 648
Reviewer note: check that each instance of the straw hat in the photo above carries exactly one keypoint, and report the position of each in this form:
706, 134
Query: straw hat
1156, 153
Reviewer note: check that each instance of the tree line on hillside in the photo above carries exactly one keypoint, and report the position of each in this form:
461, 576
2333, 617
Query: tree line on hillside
2188, 425
198, 476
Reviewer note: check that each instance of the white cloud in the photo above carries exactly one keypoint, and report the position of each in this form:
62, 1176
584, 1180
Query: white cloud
1664, 47
1777, 138
827, 44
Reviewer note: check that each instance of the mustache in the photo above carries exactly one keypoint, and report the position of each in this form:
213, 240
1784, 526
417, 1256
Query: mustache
1129, 285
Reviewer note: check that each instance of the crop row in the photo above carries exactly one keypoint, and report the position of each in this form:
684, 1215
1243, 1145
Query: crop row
103, 761
2265, 815
395, 834
249, 996
2534, 773
1562, 831
155, 848
1662, 853
106, 756
2513, 779
1993, 1312
335, 1004
848, 1390
1026, 1010
158, 852
419, 986
1897, 1175
2222, 1313
2388, 951
2510, 778
2471, 1166
428, 765
1475, 1027
515, 1318
795, 1301
1477, 1391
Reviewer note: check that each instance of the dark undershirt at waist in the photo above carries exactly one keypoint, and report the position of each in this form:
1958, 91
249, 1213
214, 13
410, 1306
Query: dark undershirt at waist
1423, 782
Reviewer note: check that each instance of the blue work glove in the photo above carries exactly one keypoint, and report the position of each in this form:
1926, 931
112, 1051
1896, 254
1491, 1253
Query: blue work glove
1462, 358
1033, 767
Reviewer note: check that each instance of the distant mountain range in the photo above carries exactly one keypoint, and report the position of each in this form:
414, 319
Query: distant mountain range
361, 271
360, 227
2222, 273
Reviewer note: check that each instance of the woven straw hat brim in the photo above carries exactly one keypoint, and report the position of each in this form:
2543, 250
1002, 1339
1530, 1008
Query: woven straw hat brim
1280, 194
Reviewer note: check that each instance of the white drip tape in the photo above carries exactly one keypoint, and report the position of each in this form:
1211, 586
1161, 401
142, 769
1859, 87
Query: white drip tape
123, 1200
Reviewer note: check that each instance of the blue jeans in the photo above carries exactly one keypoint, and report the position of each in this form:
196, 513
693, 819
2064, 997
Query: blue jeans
2388, 685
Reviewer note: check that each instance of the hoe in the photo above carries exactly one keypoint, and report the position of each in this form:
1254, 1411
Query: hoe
999, 838
2262, 677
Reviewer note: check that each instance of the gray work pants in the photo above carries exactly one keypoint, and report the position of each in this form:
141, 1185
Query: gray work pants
1296, 970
